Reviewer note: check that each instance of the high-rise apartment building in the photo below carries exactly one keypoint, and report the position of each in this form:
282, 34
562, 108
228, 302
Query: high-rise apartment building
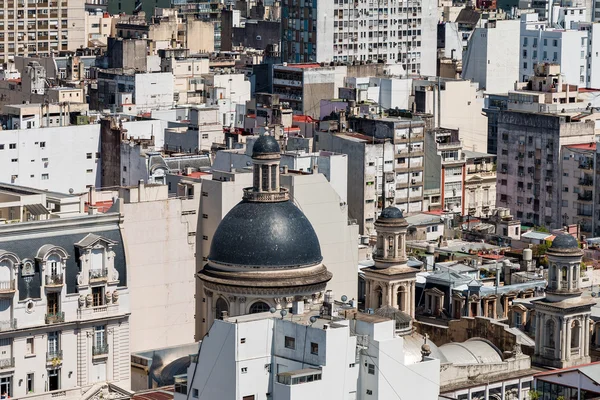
531, 132
402, 32
41, 27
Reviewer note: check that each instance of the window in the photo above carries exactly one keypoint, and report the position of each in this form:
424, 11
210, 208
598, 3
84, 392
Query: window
89, 171
88, 156
369, 392
555, 43
314, 348
53, 345
12, 146
205, 136
14, 160
565, 203
524, 52
6, 385
371, 369
195, 393
44, 177
205, 216
204, 237
243, 340
100, 336
524, 42
290, 343
1, 147
30, 386
30, 346
259, 307
98, 296
42, 144
524, 65
244, 370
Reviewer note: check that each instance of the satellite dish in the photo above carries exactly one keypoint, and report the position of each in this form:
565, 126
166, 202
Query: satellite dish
313, 319
344, 298
71, 191
283, 313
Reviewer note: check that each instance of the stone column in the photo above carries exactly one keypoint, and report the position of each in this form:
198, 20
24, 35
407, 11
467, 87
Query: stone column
367, 293
568, 341
386, 245
538, 333
586, 344
569, 277
558, 339
413, 299
395, 246
394, 302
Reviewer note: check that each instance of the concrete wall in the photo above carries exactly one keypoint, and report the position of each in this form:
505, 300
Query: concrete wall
162, 265
492, 57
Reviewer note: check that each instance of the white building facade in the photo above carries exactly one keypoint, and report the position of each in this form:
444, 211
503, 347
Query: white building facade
64, 308
362, 31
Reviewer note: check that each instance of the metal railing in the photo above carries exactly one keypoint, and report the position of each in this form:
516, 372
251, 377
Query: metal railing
99, 273
54, 279
100, 350
54, 318
7, 362
56, 355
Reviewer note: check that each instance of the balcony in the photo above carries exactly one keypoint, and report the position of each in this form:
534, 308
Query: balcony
586, 165
587, 181
7, 287
54, 357
8, 325
7, 363
98, 274
98, 351
55, 318
54, 280
450, 146
585, 196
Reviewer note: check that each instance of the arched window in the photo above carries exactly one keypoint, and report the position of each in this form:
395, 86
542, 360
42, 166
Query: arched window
220, 307
550, 333
564, 273
391, 246
575, 332
401, 299
265, 178
258, 307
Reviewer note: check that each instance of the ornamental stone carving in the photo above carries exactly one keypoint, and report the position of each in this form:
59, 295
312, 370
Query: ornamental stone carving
81, 301
88, 300
242, 299
108, 297
115, 297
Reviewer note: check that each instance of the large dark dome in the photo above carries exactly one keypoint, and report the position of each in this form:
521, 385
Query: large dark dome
276, 235
564, 241
265, 144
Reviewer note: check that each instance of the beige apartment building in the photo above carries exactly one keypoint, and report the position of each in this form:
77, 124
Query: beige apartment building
42, 27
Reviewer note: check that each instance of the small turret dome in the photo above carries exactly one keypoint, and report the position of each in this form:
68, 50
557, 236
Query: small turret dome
265, 144
564, 241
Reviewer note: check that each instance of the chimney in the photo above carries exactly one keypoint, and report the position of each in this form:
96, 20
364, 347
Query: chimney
92, 210
285, 169
315, 169
141, 195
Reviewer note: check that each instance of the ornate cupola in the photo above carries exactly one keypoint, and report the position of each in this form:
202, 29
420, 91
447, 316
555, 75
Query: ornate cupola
391, 238
265, 159
563, 317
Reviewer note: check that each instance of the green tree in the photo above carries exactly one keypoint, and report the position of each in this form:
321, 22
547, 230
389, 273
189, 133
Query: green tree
534, 395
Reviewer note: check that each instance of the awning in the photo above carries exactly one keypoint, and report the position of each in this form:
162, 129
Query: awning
37, 209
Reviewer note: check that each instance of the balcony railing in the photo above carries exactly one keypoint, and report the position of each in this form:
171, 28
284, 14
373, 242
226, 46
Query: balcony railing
99, 273
586, 181
7, 286
54, 356
586, 196
7, 362
8, 325
54, 280
100, 350
54, 318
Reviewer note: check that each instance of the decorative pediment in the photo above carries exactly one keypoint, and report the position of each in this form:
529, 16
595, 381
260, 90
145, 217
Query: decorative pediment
107, 391
48, 249
94, 241
434, 291
10, 256
519, 307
